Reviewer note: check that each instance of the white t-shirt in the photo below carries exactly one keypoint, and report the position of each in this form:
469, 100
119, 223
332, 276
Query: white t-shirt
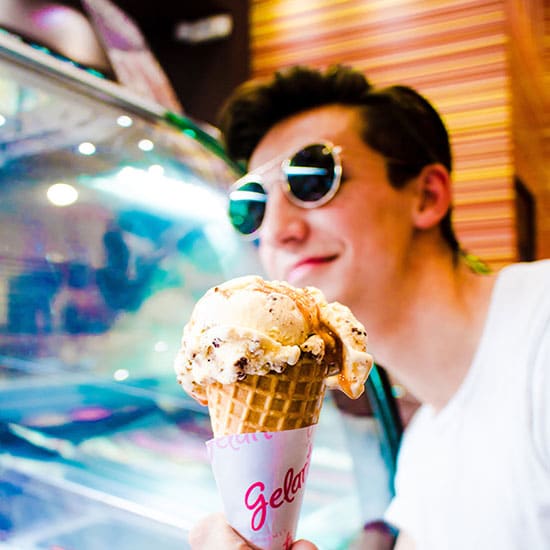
476, 475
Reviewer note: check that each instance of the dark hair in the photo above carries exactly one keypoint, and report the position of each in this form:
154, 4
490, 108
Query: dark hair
398, 122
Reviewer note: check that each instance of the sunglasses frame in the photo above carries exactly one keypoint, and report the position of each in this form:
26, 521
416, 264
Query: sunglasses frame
285, 166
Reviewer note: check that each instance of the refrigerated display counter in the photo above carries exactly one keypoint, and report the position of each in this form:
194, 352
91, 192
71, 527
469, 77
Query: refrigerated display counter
112, 224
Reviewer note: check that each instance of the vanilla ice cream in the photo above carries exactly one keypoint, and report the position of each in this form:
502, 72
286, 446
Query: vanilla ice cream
249, 326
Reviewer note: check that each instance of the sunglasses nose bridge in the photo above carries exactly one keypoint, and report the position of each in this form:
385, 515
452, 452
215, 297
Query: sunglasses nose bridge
272, 179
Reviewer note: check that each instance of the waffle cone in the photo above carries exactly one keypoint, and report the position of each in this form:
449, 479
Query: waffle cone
269, 403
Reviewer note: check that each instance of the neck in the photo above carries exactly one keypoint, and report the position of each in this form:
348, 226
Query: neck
431, 327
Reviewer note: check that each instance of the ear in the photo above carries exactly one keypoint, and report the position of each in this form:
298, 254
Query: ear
434, 196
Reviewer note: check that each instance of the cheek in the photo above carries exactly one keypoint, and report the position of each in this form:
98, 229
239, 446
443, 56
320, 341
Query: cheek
347, 219
267, 260
366, 225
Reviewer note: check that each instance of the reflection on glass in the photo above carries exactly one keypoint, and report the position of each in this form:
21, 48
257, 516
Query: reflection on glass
62, 194
125, 121
146, 145
86, 148
104, 284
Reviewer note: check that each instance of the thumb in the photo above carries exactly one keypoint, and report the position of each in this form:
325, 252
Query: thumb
303, 545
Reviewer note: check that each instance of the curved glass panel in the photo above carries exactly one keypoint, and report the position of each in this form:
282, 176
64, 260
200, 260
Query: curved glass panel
112, 225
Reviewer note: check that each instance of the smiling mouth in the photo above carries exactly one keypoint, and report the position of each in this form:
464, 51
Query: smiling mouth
314, 261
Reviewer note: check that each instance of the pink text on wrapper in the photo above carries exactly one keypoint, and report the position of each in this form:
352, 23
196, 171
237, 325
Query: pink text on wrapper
236, 441
256, 500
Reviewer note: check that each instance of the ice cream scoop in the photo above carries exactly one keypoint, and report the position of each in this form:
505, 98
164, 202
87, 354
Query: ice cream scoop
250, 326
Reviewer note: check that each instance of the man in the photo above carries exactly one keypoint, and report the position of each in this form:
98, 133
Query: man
349, 190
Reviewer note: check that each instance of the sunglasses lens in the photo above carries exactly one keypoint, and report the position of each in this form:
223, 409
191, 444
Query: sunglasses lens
247, 207
311, 173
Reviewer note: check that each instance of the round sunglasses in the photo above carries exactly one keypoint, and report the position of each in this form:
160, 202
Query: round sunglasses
313, 176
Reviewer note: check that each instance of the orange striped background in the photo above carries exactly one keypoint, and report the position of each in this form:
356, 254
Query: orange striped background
455, 52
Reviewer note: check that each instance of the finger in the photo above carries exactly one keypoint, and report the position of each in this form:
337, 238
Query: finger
213, 532
303, 545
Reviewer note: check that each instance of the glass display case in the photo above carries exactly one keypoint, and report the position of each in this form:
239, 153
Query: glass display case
112, 224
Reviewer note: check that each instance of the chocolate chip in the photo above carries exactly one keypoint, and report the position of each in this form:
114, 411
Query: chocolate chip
241, 363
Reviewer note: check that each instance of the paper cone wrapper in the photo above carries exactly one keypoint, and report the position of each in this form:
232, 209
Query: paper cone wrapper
263, 427
261, 478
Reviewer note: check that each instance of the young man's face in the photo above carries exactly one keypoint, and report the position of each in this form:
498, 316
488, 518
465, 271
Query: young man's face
354, 247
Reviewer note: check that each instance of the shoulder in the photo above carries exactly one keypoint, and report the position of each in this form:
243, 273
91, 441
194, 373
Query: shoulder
527, 275
521, 294
520, 313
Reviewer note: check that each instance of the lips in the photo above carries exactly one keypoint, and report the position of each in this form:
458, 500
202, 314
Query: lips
306, 265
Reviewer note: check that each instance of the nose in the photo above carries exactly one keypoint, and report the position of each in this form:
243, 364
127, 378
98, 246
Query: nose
284, 223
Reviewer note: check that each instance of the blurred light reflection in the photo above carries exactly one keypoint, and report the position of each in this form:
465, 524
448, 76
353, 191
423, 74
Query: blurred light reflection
164, 194
62, 194
156, 170
161, 346
86, 148
121, 374
125, 121
146, 145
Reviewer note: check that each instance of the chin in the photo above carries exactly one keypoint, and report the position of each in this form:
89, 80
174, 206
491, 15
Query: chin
333, 296
332, 292
335, 293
